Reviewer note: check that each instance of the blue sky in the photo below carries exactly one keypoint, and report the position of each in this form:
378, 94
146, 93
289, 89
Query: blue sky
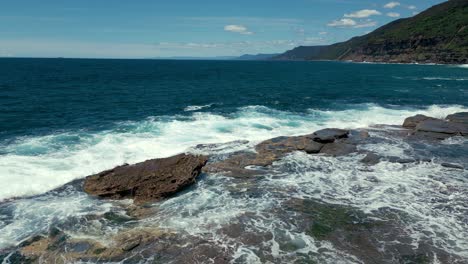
145, 29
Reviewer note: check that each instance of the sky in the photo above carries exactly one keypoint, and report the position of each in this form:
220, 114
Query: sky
183, 28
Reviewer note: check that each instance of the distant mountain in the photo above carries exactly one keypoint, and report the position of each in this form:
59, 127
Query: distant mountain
437, 35
196, 58
256, 57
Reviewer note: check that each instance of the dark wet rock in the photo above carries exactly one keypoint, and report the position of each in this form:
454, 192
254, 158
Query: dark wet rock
238, 163
65, 249
400, 160
281, 145
329, 135
363, 134
430, 135
147, 181
218, 147
361, 235
338, 148
117, 218
328, 218
416, 259
371, 159
458, 117
442, 127
16, 258
241, 164
452, 166
131, 243
140, 211
413, 121
79, 247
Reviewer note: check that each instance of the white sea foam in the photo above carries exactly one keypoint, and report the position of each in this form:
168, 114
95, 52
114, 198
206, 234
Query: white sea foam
421, 190
444, 79
191, 108
32, 216
35, 165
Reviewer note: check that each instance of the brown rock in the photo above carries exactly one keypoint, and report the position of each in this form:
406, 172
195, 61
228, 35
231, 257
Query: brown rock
151, 180
338, 148
237, 163
413, 121
268, 152
282, 145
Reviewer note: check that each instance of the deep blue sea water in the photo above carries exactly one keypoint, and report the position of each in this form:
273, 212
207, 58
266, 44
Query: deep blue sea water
61, 115
41, 96
64, 119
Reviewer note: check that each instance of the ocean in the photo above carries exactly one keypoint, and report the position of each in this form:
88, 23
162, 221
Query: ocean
64, 119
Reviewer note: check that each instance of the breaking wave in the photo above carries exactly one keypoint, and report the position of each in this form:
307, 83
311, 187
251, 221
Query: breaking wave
34, 165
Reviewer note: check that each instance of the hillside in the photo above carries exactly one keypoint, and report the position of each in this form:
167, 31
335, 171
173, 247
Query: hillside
437, 35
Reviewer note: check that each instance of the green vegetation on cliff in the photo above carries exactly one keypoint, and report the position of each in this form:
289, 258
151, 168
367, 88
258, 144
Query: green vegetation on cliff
437, 35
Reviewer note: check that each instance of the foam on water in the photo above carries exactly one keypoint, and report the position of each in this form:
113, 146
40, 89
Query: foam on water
32, 216
433, 197
444, 79
426, 192
191, 108
34, 165
211, 208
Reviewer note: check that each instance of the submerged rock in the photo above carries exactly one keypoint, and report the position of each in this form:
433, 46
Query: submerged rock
147, 181
413, 121
371, 159
452, 166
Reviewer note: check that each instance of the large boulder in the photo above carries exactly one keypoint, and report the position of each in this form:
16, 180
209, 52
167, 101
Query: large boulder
147, 181
458, 117
413, 121
329, 135
443, 127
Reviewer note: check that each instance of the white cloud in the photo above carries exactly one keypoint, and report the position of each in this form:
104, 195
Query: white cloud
350, 23
411, 7
363, 13
323, 33
415, 13
238, 29
392, 5
393, 14
344, 22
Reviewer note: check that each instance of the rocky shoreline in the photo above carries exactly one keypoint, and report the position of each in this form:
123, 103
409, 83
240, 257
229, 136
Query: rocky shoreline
346, 228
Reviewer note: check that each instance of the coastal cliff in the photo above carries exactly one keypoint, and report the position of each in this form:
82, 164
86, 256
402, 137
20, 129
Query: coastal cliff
437, 35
